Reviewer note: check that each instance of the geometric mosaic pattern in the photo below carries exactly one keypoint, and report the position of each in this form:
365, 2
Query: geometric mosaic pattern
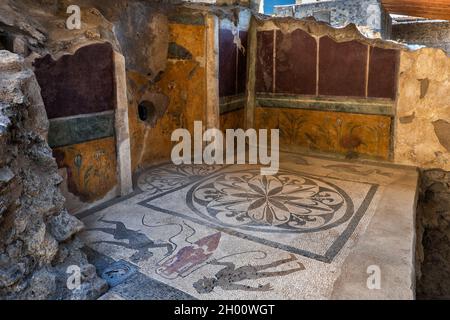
226, 232
260, 208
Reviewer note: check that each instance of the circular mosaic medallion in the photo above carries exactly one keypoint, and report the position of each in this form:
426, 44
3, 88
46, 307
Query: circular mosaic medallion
286, 202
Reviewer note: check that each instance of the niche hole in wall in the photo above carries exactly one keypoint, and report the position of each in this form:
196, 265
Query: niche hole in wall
147, 111
4, 45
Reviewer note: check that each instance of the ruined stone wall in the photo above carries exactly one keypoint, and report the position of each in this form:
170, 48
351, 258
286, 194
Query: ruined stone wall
37, 235
367, 14
433, 236
422, 133
429, 34
422, 139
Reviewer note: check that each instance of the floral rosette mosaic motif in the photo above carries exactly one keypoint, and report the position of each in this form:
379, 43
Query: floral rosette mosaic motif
279, 203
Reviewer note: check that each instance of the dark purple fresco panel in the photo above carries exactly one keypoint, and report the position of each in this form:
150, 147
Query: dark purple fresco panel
264, 61
227, 63
342, 68
383, 73
77, 84
296, 63
242, 63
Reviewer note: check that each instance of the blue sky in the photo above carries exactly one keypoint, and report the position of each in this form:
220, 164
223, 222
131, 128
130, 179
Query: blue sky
268, 4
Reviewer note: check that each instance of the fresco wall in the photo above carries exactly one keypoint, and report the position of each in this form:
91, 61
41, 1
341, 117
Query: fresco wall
233, 45
326, 131
79, 96
180, 91
299, 63
164, 94
325, 94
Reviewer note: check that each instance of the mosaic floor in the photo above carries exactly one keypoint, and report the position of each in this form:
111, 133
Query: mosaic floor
226, 232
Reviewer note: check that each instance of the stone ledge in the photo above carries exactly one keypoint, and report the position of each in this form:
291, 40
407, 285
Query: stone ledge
361, 106
232, 103
389, 243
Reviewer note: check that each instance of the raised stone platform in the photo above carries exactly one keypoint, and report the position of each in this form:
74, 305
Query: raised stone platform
313, 231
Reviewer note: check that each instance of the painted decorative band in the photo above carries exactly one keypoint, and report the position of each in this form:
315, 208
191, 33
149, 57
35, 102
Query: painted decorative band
73, 130
386, 109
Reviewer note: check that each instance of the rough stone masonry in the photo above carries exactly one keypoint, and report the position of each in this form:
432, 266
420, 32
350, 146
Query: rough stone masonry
37, 236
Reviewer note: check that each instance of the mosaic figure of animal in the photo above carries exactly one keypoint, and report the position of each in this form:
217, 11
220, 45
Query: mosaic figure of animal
136, 240
229, 276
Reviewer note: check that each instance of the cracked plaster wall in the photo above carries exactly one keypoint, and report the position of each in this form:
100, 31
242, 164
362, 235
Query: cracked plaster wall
423, 109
